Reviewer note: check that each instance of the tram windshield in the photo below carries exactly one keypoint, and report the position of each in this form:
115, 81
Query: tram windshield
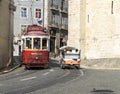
36, 43
28, 43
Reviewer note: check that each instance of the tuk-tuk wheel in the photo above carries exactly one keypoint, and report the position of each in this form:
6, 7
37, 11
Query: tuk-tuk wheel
78, 66
62, 66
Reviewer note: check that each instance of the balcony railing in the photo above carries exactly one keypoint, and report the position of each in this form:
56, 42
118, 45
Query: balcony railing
64, 26
53, 24
64, 9
54, 7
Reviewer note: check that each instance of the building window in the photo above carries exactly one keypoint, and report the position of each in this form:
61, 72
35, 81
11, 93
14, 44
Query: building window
54, 1
23, 29
88, 18
63, 20
23, 12
24, 0
112, 7
53, 18
37, 0
37, 13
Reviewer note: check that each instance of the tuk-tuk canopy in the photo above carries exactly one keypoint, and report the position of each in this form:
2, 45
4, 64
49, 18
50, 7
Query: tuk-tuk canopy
68, 48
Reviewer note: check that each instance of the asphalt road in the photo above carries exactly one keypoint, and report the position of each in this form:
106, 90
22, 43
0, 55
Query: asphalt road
58, 81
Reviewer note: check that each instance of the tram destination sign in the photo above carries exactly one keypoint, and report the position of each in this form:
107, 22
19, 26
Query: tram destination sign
34, 28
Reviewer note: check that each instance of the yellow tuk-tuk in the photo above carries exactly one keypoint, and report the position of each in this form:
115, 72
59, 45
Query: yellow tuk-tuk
69, 56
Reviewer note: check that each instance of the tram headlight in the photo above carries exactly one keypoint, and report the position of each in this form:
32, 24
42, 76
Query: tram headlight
36, 57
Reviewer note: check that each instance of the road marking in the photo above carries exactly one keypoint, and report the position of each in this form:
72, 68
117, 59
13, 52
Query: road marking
17, 74
1, 84
30, 78
64, 75
51, 70
46, 73
82, 73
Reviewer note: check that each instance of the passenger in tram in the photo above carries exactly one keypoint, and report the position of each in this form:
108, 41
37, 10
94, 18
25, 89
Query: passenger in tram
36, 44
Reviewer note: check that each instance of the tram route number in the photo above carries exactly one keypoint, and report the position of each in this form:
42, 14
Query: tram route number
36, 53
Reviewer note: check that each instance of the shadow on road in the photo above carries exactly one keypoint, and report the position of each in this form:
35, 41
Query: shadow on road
54, 63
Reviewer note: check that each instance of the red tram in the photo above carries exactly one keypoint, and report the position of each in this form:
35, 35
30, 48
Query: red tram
35, 47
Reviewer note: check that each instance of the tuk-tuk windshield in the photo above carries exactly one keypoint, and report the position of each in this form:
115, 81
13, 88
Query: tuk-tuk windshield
71, 56
68, 52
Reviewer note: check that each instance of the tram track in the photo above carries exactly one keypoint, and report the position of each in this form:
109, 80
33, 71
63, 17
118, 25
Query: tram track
17, 75
66, 76
41, 78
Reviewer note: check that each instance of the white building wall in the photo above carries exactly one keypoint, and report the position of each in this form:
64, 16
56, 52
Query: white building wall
74, 23
102, 30
99, 28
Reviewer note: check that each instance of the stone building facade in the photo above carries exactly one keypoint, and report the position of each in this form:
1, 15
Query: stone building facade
6, 32
57, 23
94, 27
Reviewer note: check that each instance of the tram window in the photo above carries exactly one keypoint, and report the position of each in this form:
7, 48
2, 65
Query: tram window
36, 43
28, 43
44, 43
23, 44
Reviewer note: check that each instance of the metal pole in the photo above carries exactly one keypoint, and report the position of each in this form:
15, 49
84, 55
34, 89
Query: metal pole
43, 11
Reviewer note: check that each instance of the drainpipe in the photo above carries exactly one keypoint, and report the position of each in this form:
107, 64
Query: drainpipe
9, 36
43, 11
12, 8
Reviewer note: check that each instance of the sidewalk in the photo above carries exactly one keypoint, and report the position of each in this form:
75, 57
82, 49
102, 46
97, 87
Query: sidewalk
107, 63
15, 65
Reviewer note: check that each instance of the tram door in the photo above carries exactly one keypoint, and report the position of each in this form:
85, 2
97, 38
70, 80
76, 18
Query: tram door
52, 44
61, 43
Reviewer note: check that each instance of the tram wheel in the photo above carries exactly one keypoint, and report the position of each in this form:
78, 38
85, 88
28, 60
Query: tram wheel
46, 66
27, 67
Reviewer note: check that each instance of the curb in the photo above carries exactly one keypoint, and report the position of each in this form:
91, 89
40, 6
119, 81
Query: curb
100, 68
94, 67
9, 70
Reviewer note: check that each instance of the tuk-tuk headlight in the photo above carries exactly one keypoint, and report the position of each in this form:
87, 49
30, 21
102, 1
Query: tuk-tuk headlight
62, 60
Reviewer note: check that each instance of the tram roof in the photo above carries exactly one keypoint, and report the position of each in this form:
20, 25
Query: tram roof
36, 33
